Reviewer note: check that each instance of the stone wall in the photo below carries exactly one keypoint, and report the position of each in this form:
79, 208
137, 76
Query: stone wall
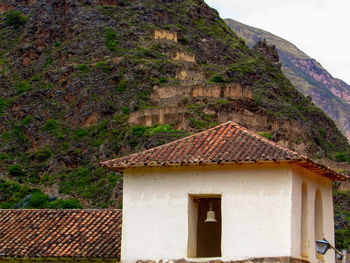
249, 119
190, 76
235, 90
148, 117
175, 95
181, 56
163, 34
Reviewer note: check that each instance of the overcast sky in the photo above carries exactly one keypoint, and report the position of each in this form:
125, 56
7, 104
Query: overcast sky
320, 28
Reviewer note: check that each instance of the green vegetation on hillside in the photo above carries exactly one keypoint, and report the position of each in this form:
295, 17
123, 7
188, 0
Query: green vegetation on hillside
342, 219
15, 195
15, 18
68, 91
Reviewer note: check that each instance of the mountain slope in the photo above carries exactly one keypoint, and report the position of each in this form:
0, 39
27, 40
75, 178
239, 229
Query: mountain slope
86, 81
330, 94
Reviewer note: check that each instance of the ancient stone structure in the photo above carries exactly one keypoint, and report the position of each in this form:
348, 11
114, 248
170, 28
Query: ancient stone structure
169, 100
181, 56
163, 34
235, 90
148, 117
189, 76
175, 95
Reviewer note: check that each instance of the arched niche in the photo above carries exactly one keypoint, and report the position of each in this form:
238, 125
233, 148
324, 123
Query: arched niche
319, 224
304, 231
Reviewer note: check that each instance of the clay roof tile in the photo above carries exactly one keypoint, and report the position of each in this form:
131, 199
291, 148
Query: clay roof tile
60, 233
225, 143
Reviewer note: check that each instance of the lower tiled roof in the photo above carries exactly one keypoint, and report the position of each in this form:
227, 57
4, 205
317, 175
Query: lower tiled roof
225, 143
60, 233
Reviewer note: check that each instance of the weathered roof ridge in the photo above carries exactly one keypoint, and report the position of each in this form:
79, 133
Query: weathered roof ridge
166, 144
224, 143
106, 163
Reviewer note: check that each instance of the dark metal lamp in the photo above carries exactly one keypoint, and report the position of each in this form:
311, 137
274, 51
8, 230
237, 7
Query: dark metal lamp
323, 246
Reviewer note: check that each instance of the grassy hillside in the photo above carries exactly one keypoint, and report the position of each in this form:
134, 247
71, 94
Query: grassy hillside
72, 73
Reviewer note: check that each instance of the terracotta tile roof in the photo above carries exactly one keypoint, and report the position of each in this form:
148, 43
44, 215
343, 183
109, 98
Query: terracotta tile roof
225, 143
60, 233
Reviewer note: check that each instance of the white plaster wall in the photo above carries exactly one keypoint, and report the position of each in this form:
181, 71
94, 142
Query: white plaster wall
313, 182
256, 210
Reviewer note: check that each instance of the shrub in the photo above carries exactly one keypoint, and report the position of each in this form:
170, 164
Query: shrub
16, 171
103, 66
12, 193
50, 125
342, 238
43, 154
21, 196
38, 200
133, 142
65, 204
199, 124
162, 80
22, 86
322, 132
161, 128
27, 120
82, 67
267, 135
138, 130
183, 41
342, 157
222, 102
15, 18
4, 156
80, 133
3, 105
217, 79
78, 180
48, 61
35, 77
121, 87
125, 110
110, 39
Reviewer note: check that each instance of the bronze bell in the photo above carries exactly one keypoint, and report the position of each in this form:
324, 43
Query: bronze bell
210, 214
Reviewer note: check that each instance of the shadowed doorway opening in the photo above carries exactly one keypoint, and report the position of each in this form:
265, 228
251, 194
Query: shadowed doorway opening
204, 239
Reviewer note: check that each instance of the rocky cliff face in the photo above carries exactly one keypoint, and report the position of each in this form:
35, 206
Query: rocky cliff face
84, 81
330, 94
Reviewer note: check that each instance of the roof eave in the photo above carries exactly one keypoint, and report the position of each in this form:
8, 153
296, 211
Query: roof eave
303, 162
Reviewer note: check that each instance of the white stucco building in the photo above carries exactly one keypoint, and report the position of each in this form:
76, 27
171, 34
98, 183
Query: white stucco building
270, 203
